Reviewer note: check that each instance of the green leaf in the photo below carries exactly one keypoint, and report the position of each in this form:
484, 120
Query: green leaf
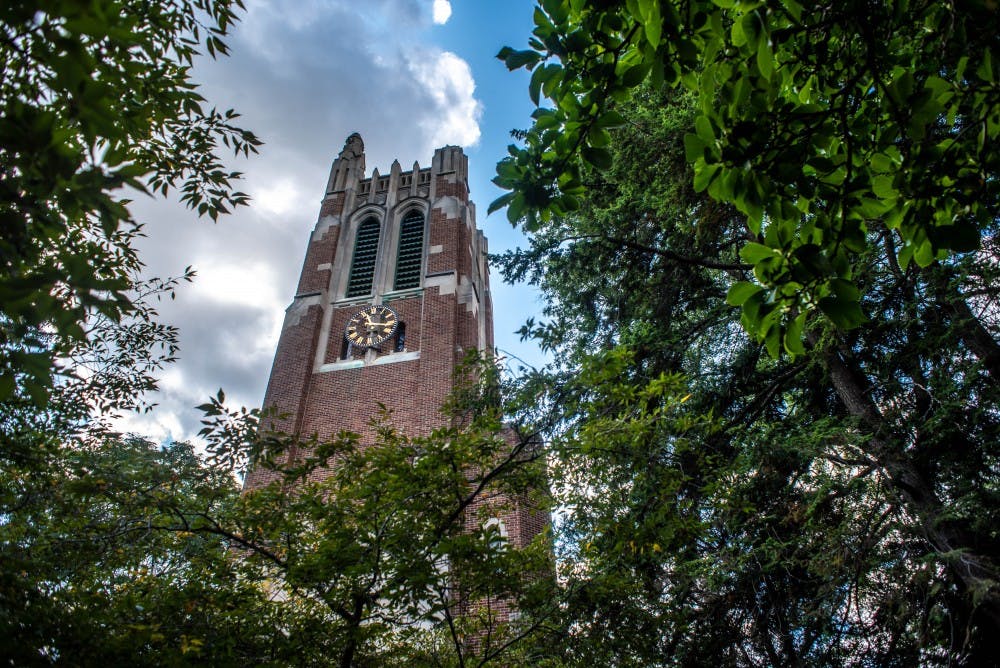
765, 58
694, 147
741, 291
635, 75
753, 252
985, 69
772, 341
598, 157
844, 290
882, 186
652, 22
518, 59
499, 203
515, 208
793, 336
609, 119
704, 175
905, 256
737, 34
750, 315
599, 138
535, 86
793, 8
962, 237
843, 313
923, 254
703, 128
569, 202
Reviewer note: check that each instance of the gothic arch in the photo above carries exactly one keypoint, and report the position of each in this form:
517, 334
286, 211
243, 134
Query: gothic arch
407, 247
410, 251
364, 257
341, 281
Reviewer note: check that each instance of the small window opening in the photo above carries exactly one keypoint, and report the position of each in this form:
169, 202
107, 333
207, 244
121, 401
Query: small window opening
400, 343
496, 532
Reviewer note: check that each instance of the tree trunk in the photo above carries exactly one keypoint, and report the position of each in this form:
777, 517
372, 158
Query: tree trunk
975, 573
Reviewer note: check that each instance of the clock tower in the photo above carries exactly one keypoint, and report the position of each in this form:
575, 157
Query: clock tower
393, 294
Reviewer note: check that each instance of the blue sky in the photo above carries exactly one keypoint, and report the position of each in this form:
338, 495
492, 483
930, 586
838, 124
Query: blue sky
410, 76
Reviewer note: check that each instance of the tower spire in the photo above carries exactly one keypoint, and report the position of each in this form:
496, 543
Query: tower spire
349, 166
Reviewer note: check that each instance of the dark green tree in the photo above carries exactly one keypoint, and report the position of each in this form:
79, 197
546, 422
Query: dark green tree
103, 565
385, 541
726, 506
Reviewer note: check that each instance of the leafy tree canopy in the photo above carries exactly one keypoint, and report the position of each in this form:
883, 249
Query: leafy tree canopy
813, 119
95, 97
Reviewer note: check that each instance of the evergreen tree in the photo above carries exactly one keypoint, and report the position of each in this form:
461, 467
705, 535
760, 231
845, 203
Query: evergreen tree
728, 507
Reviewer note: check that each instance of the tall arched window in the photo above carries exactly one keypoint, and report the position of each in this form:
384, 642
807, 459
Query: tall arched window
409, 260
363, 264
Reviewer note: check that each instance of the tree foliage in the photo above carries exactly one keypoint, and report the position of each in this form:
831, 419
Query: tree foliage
389, 536
99, 568
725, 506
96, 97
390, 542
831, 169
357, 552
820, 122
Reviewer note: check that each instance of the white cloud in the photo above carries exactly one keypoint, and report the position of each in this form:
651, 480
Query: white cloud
279, 198
248, 284
159, 426
448, 80
442, 11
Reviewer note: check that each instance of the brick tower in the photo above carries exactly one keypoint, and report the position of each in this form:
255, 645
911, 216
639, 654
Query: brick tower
394, 292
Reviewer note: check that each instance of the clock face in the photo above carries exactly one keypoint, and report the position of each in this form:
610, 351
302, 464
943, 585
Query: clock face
371, 326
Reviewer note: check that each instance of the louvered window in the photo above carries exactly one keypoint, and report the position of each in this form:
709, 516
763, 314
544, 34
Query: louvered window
411, 251
365, 253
